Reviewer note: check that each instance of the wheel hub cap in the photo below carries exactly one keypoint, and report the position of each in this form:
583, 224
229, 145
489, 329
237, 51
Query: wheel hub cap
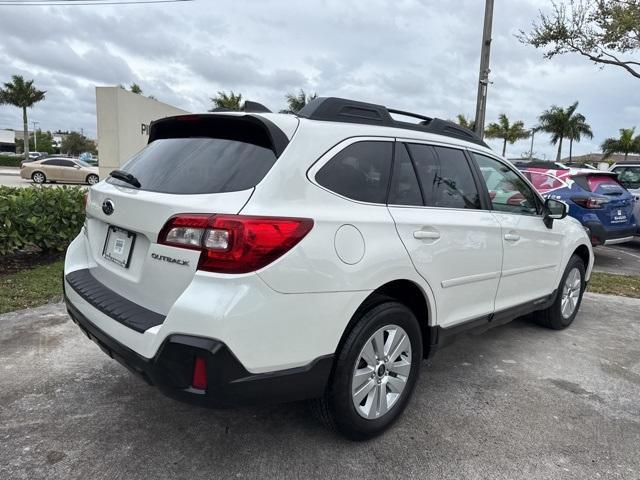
381, 372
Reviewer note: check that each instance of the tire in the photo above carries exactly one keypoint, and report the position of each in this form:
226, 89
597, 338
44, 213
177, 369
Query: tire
38, 177
92, 179
569, 297
337, 407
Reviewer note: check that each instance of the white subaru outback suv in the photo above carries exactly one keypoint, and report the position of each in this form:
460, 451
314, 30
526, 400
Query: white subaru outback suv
247, 257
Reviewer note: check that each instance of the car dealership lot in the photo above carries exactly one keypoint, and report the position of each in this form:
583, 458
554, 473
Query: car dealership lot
516, 402
622, 259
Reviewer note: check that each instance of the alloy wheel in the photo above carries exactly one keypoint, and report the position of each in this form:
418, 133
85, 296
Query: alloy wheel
381, 372
571, 293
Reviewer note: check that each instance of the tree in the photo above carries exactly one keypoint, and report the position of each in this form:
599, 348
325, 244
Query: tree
463, 121
44, 143
601, 30
626, 144
135, 88
227, 101
508, 132
76, 143
563, 123
578, 127
295, 103
21, 94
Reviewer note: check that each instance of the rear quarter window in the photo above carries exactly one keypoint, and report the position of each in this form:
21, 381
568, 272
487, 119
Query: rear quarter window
359, 172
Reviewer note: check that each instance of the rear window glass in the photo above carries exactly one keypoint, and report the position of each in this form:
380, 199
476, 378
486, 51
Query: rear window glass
360, 172
603, 183
198, 165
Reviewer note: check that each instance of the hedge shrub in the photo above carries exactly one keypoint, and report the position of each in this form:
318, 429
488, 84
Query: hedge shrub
48, 218
6, 161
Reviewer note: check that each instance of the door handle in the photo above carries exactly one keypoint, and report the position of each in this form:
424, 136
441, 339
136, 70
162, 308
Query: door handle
511, 237
426, 235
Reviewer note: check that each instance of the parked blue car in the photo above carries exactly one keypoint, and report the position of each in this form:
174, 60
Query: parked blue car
595, 198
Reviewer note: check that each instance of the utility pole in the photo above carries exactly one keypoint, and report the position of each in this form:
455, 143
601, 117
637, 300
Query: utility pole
533, 135
35, 135
483, 80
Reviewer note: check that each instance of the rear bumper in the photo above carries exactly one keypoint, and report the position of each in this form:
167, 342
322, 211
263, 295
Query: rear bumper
228, 381
601, 236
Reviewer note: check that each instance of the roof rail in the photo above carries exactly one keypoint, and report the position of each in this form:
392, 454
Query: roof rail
333, 109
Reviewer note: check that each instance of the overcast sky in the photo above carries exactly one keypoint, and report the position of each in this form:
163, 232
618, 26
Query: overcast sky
415, 55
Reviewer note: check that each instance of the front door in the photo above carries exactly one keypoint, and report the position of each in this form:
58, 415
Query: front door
532, 252
454, 244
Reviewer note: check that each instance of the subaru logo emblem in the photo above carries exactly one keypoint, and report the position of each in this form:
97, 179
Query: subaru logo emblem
107, 207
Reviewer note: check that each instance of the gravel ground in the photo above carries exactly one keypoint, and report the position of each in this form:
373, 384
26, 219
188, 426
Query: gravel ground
516, 402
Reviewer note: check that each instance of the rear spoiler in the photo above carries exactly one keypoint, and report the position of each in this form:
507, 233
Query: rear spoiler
247, 128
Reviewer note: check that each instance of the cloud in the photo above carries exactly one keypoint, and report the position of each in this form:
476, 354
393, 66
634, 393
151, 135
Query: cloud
408, 54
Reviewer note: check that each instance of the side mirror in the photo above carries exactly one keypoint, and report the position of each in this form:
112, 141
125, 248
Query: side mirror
554, 210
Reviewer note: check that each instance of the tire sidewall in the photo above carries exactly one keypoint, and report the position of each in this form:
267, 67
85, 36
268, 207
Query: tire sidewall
92, 176
348, 420
557, 319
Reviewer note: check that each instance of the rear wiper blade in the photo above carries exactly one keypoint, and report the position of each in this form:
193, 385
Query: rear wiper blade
125, 177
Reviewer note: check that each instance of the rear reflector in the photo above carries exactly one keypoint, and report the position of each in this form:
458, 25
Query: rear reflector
199, 374
234, 243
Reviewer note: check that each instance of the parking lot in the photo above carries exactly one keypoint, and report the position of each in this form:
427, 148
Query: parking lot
516, 402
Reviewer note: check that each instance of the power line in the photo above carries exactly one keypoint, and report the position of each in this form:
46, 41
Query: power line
43, 3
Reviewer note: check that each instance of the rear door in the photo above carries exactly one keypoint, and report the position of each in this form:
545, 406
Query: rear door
70, 171
454, 244
213, 171
532, 252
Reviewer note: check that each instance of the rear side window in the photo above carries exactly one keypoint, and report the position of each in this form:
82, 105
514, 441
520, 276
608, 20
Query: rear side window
405, 189
360, 172
543, 182
445, 177
199, 165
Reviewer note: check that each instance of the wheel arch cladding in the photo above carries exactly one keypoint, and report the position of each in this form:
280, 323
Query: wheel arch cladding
406, 292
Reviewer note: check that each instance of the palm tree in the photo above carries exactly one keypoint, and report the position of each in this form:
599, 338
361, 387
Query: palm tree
227, 101
626, 144
463, 121
508, 132
22, 94
577, 128
563, 123
297, 102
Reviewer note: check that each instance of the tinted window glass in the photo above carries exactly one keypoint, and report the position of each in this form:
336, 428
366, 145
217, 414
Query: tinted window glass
543, 182
198, 165
66, 163
445, 177
508, 192
359, 172
405, 189
51, 162
629, 177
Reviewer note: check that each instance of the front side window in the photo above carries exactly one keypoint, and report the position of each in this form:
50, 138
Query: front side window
359, 172
507, 190
67, 163
445, 177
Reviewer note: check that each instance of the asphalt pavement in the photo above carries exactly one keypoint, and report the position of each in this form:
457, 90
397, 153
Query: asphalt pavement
623, 259
519, 401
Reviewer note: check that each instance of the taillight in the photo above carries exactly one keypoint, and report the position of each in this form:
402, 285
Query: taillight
199, 380
234, 243
590, 202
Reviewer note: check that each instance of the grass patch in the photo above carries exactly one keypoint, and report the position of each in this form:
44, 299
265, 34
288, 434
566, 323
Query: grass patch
31, 287
624, 285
